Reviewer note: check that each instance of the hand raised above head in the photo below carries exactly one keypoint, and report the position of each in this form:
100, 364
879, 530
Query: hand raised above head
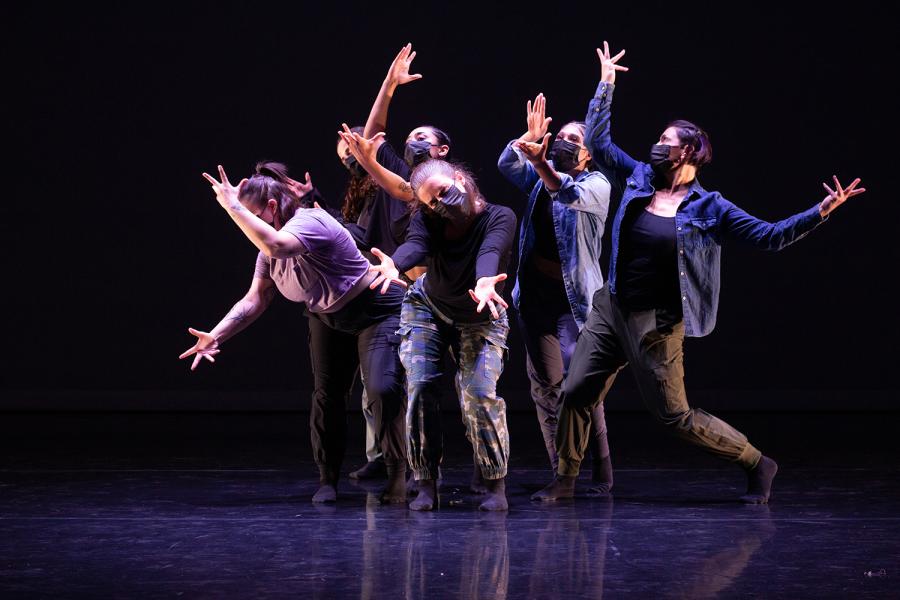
608, 64
536, 119
398, 73
225, 192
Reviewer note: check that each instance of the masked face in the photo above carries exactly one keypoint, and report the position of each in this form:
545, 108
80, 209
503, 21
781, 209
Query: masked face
416, 152
352, 165
564, 155
454, 206
663, 157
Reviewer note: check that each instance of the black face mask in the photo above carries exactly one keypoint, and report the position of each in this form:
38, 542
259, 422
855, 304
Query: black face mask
659, 158
417, 152
454, 206
356, 169
564, 155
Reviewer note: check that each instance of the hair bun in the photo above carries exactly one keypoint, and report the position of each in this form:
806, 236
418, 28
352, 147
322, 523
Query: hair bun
275, 170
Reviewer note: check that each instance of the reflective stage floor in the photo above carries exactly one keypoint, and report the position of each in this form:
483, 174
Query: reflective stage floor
218, 506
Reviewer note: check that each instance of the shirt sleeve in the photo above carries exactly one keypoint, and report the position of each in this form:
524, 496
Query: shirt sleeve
598, 139
262, 267
416, 247
497, 243
516, 168
741, 226
590, 194
388, 158
312, 228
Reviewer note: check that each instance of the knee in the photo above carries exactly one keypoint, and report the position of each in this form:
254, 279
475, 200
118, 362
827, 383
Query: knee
676, 421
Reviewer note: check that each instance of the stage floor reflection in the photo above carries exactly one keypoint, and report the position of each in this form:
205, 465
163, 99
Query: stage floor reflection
218, 506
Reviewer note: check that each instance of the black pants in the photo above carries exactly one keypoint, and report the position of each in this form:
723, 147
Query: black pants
362, 334
550, 332
651, 341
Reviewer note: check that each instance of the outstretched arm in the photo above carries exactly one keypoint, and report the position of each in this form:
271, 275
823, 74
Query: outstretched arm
597, 122
241, 315
497, 243
271, 242
744, 227
398, 74
365, 151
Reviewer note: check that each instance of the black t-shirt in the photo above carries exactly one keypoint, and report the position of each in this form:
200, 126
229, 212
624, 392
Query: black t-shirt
647, 277
454, 265
384, 220
544, 233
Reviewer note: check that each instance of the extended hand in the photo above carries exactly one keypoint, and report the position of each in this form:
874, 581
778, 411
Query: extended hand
206, 347
398, 73
608, 66
226, 194
485, 294
535, 117
839, 195
363, 149
301, 189
535, 153
387, 272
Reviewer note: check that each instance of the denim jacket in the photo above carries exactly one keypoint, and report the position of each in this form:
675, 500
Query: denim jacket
579, 211
704, 220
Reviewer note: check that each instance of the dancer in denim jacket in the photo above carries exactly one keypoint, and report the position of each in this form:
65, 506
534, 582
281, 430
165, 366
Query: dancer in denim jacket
559, 264
664, 285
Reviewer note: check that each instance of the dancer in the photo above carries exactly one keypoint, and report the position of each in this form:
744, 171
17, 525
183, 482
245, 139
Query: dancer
373, 218
307, 256
381, 161
559, 265
466, 243
381, 219
423, 143
664, 285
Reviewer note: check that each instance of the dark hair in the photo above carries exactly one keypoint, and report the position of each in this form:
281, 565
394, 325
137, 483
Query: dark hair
358, 190
442, 137
691, 135
271, 182
437, 166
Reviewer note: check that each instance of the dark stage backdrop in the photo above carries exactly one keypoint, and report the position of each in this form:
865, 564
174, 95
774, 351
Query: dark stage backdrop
114, 245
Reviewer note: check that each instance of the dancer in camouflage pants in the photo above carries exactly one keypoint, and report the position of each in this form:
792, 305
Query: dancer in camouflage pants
479, 349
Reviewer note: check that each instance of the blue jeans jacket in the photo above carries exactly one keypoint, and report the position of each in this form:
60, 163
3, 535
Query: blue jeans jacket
703, 221
580, 207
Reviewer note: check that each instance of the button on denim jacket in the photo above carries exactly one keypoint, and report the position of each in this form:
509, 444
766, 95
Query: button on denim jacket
580, 207
704, 220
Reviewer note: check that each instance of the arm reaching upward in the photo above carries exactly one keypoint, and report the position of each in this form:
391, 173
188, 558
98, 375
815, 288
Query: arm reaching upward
398, 74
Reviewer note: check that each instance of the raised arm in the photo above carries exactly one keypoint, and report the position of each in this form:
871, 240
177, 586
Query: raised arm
398, 74
241, 315
365, 151
513, 163
741, 226
597, 122
271, 242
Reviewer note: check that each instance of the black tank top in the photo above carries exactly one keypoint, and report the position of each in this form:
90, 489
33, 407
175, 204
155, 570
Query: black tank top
648, 275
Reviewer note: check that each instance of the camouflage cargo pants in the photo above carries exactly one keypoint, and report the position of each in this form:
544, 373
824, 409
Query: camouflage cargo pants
479, 350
